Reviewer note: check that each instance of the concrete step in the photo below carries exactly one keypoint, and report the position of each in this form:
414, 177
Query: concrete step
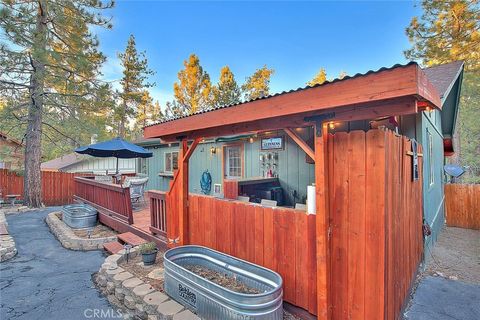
113, 247
131, 239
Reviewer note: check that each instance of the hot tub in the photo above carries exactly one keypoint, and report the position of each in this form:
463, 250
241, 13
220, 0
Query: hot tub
212, 301
79, 216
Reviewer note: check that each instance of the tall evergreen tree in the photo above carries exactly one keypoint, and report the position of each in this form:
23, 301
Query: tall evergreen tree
46, 43
193, 91
148, 112
134, 82
227, 91
448, 31
319, 78
258, 84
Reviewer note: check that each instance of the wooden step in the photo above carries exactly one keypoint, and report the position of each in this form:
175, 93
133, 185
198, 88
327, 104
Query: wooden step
113, 247
131, 239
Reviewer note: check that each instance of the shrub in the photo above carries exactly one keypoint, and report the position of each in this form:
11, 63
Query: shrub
148, 247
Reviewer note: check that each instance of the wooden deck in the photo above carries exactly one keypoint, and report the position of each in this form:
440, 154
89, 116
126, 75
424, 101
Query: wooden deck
141, 219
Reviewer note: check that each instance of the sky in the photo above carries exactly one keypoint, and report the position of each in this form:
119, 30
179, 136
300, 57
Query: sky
294, 38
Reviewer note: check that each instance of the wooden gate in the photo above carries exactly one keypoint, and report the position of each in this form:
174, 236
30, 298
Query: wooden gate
375, 229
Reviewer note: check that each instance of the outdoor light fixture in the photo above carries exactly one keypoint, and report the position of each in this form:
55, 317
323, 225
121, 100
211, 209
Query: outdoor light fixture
213, 150
331, 125
127, 248
428, 109
250, 140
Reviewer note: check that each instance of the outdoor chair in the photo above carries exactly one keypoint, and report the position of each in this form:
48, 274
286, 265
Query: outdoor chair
137, 189
243, 199
300, 206
268, 203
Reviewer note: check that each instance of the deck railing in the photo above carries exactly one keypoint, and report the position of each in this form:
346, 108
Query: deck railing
108, 198
158, 212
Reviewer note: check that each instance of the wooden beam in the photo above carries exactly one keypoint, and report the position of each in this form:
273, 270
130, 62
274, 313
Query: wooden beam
366, 111
322, 225
378, 86
301, 143
189, 153
183, 194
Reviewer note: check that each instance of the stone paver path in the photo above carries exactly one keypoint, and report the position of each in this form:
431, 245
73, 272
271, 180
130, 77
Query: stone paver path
47, 281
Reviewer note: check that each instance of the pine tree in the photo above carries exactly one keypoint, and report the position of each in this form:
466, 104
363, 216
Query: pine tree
449, 31
147, 113
193, 91
46, 43
319, 78
134, 82
258, 84
227, 91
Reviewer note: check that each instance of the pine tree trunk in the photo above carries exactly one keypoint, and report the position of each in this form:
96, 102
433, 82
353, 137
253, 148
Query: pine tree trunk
33, 137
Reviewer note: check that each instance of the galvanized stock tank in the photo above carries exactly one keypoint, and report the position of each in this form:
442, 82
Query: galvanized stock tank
79, 216
212, 301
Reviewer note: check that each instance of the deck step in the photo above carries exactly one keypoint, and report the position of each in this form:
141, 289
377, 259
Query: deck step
131, 239
113, 247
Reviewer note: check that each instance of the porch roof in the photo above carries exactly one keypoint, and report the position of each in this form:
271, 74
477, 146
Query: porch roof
397, 90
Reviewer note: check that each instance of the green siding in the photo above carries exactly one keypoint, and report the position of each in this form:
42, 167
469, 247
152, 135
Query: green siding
293, 171
433, 196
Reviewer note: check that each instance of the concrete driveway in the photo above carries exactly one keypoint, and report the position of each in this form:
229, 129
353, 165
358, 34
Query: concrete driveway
443, 299
47, 281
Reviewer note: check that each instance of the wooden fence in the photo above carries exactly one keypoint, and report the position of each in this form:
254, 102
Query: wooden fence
375, 219
111, 199
376, 222
462, 205
158, 212
57, 187
277, 238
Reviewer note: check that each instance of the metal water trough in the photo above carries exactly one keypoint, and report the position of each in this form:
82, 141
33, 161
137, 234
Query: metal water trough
79, 216
211, 301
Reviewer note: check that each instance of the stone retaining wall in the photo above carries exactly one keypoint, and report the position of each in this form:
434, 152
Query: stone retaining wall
140, 299
7, 244
69, 239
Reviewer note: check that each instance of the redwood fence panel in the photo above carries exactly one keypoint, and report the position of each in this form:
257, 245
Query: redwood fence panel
276, 238
376, 240
108, 198
462, 204
57, 187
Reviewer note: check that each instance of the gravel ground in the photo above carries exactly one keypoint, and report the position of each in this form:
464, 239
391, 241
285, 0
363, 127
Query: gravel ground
456, 255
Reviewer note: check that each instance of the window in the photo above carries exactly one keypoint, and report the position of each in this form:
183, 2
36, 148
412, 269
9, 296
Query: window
171, 161
430, 157
142, 165
233, 162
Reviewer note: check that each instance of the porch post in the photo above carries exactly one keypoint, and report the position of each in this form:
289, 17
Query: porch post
183, 193
322, 222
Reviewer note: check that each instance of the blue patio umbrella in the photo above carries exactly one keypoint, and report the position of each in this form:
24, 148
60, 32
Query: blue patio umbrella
117, 148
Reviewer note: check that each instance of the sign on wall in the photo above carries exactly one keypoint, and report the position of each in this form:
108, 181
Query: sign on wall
274, 143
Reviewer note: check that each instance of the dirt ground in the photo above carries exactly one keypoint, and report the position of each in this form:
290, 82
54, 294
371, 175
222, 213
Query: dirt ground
456, 255
135, 266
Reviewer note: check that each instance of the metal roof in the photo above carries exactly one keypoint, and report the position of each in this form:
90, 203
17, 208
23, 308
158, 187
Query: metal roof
346, 78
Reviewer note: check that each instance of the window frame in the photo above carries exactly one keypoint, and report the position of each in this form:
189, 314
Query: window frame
224, 162
171, 161
430, 158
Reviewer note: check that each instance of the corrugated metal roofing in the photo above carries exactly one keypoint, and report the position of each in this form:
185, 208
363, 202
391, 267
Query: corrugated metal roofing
291, 91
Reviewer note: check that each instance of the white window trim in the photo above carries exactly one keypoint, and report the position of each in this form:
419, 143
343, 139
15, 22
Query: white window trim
171, 161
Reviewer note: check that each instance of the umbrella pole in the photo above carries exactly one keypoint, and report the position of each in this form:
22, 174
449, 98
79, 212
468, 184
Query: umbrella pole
117, 167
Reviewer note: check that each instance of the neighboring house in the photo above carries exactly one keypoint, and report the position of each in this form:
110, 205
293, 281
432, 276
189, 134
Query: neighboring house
77, 163
11, 153
242, 157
